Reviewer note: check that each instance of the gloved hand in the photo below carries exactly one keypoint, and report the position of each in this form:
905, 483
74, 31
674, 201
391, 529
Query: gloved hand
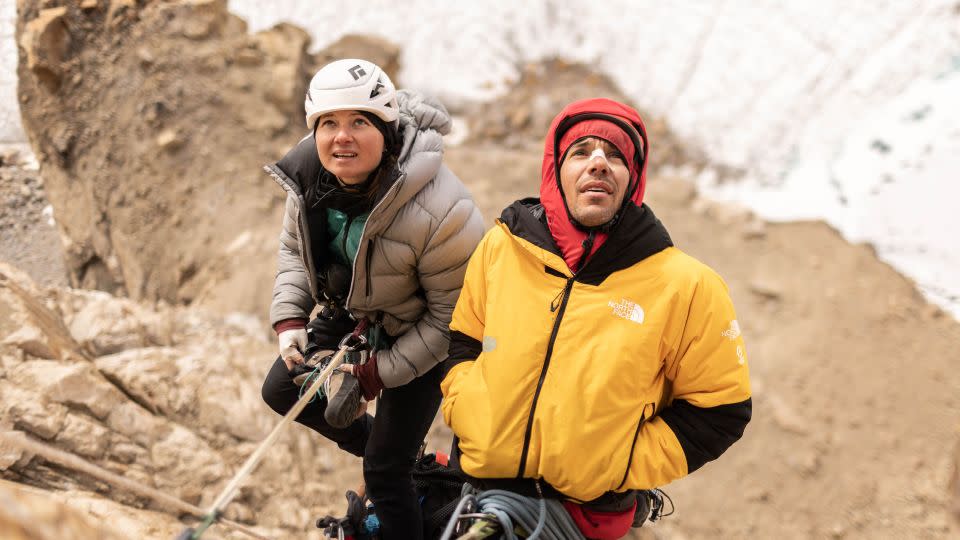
292, 344
368, 375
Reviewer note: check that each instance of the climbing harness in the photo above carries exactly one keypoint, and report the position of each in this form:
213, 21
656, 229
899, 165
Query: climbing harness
505, 511
451, 509
504, 514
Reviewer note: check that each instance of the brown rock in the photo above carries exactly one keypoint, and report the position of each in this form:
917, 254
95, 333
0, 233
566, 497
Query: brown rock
249, 57
670, 190
267, 119
120, 10
520, 118
75, 385
283, 43
46, 40
149, 376
9, 456
43, 420
169, 140
128, 453
766, 288
146, 56
135, 423
375, 49
32, 340
29, 514
29, 324
103, 324
730, 213
185, 463
117, 233
785, 416
755, 228
196, 19
84, 437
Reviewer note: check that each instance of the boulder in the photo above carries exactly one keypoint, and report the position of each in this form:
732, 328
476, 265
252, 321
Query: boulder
45, 40
30, 514
27, 322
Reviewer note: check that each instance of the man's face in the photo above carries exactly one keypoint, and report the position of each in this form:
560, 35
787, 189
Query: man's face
594, 177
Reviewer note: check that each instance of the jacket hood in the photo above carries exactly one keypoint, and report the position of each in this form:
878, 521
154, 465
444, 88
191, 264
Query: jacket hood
567, 235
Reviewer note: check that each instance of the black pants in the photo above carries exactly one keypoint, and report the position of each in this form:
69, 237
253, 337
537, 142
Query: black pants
388, 443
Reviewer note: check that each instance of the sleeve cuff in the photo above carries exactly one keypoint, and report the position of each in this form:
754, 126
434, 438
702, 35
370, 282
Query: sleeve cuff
289, 324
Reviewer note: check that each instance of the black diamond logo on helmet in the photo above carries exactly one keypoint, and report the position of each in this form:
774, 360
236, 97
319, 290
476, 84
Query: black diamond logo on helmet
357, 72
376, 89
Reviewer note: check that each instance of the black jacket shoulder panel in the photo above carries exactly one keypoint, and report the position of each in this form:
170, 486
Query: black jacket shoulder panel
526, 219
301, 164
638, 235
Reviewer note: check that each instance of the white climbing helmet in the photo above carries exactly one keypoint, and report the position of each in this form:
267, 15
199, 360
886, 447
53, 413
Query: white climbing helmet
351, 84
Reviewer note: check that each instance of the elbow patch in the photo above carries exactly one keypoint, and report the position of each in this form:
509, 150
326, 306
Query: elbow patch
705, 433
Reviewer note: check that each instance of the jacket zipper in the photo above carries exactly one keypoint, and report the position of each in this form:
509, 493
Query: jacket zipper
346, 235
636, 435
353, 276
567, 288
369, 260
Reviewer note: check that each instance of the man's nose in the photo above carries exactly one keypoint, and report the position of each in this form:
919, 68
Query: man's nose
598, 163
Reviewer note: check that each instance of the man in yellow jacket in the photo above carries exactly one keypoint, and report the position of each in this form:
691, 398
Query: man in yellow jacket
587, 354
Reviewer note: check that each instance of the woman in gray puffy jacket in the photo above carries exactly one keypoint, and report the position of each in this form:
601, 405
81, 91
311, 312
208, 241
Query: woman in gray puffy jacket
375, 227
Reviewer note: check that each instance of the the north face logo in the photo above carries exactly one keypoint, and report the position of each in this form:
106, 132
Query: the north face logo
628, 310
733, 332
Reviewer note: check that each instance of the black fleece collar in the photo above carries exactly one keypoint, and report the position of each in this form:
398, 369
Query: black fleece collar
638, 235
301, 164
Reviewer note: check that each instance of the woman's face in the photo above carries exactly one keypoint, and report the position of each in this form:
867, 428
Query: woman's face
349, 145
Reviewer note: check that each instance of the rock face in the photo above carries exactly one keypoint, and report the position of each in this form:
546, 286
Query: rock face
165, 396
152, 121
27, 514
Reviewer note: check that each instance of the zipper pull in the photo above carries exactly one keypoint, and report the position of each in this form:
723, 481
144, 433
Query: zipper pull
558, 299
587, 246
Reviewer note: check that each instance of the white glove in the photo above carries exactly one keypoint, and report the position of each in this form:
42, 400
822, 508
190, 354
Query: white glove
292, 344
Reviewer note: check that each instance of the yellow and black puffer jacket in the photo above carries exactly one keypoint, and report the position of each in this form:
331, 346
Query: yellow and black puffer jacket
627, 374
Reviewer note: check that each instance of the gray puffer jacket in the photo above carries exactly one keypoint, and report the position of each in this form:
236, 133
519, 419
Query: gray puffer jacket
413, 252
